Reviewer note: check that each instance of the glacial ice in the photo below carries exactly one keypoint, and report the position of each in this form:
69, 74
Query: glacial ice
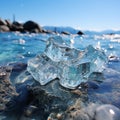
43, 69
70, 65
57, 50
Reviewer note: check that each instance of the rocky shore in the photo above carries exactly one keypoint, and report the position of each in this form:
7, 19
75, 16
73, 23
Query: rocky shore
30, 100
29, 26
24, 98
7, 90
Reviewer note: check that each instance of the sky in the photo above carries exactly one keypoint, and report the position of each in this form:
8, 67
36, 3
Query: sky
81, 14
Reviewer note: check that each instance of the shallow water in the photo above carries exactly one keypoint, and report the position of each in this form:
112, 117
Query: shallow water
17, 47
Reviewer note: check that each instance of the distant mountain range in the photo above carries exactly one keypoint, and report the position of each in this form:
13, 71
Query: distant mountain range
61, 29
74, 31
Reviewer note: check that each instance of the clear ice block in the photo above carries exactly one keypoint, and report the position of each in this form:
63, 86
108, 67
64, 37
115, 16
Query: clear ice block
97, 58
72, 75
43, 69
70, 65
57, 50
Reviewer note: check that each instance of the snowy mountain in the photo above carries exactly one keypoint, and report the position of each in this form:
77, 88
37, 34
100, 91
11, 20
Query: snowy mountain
71, 30
61, 29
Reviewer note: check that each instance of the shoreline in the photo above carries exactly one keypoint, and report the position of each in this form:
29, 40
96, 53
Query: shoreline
30, 27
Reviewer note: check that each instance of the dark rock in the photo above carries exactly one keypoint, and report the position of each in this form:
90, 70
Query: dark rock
7, 91
48, 31
16, 26
92, 112
32, 26
89, 85
4, 28
77, 115
80, 33
107, 112
96, 76
23, 90
50, 98
17, 23
17, 105
9, 24
92, 85
75, 112
93, 82
65, 33
22, 77
113, 58
2, 22
30, 110
18, 67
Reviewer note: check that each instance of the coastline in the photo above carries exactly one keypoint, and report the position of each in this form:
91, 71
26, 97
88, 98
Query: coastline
30, 100
29, 27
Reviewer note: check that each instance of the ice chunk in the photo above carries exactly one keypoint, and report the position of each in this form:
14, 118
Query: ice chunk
57, 50
97, 58
72, 75
70, 65
43, 69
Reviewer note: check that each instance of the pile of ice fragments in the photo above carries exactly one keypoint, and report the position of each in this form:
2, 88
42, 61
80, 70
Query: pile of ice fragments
70, 65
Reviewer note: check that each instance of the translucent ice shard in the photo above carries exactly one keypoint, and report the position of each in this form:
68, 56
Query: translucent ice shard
70, 65
57, 50
73, 74
97, 59
43, 69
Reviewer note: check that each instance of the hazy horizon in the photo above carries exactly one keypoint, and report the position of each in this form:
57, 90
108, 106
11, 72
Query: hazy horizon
81, 14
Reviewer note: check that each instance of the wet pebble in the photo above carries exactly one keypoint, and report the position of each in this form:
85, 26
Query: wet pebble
30, 110
107, 112
93, 111
88, 85
114, 58
17, 67
7, 90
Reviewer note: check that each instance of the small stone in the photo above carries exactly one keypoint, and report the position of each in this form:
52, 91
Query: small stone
7, 91
107, 112
30, 110
59, 116
49, 118
78, 92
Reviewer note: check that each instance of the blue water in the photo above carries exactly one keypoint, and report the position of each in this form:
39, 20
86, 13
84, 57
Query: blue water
17, 47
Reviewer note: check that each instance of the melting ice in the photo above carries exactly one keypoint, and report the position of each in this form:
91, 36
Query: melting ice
70, 65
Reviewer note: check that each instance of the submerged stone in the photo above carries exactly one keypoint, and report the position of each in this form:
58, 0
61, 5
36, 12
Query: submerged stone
7, 90
93, 111
70, 65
